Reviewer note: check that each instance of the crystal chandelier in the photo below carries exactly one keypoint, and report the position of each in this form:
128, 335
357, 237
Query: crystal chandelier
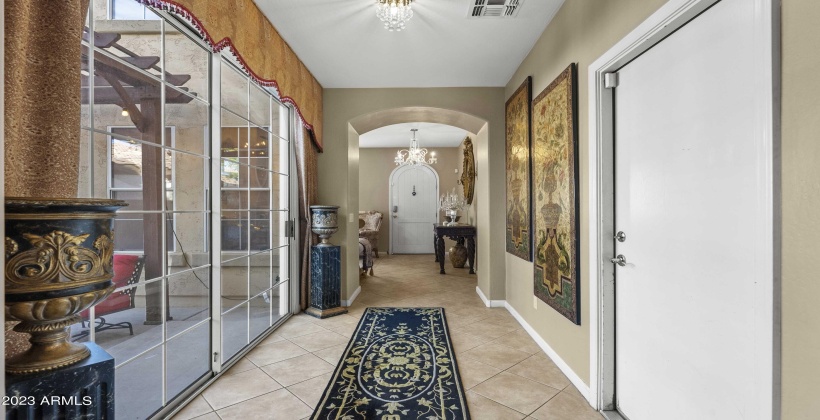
394, 13
415, 155
451, 203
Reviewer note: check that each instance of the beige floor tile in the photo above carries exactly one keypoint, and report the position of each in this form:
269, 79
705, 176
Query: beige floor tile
275, 352
229, 390
277, 405
572, 390
520, 340
290, 330
486, 330
303, 317
566, 406
345, 330
516, 392
303, 353
310, 391
542, 370
510, 323
463, 342
356, 310
474, 372
478, 311
273, 338
210, 416
335, 321
495, 355
332, 354
297, 369
241, 366
197, 407
319, 341
482, 408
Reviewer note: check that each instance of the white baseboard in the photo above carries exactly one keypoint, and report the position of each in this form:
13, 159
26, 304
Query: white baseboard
352, 297
490, 303
570, 374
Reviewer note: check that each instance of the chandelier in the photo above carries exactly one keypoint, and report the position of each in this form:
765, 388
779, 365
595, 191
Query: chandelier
394, 13
415, 155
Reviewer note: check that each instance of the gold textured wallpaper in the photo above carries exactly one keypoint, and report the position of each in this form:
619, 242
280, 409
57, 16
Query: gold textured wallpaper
264, 51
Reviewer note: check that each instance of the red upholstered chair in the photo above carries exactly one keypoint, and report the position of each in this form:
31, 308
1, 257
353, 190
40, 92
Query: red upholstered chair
127, 270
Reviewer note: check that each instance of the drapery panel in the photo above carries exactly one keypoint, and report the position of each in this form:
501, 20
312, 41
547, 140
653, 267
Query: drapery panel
308, 179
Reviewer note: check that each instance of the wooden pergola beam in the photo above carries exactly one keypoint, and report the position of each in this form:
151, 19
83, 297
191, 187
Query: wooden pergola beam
106, 95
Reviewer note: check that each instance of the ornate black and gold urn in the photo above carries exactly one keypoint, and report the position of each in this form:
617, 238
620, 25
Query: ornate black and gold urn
59, 262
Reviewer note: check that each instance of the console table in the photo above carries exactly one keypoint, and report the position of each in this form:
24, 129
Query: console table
465, 233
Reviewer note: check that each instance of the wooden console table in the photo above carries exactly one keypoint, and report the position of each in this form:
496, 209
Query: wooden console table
460, 233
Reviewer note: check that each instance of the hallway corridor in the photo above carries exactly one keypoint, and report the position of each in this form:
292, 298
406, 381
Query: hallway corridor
506, 375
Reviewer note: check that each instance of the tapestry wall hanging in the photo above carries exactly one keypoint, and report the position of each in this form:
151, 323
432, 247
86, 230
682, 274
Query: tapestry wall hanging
519, 222
555, 191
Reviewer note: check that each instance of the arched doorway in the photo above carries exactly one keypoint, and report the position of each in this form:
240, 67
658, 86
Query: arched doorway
414, 191
466, 113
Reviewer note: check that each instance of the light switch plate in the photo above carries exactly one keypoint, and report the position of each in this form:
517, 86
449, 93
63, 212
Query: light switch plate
351, 218
535, 302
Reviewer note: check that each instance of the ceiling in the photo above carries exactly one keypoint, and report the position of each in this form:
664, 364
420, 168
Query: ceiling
345, 45
399, 135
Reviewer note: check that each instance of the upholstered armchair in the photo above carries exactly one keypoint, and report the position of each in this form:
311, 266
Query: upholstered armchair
369, 224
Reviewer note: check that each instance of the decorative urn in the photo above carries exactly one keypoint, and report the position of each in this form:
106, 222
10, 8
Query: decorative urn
458, 255
59, 262
324, 222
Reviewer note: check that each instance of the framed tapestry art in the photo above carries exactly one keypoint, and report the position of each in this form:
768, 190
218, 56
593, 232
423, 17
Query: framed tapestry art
519, 222
555, 193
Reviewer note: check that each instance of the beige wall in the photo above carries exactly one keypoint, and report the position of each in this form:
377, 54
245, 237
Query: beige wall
581, 31
800, 204
339, 164
375, 167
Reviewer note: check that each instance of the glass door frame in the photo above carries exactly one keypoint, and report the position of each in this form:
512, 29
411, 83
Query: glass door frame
214, 243
218, 365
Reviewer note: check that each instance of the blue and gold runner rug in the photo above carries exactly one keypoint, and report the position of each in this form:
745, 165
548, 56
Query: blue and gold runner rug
399, 365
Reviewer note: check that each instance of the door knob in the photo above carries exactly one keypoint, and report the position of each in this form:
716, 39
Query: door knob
620, 260
620, 236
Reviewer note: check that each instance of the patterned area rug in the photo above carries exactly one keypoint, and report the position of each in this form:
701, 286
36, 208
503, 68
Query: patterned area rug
399, 365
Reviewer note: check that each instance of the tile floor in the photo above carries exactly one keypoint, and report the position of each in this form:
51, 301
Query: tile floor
506, 374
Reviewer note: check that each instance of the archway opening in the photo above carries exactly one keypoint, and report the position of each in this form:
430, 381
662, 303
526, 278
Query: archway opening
477, 214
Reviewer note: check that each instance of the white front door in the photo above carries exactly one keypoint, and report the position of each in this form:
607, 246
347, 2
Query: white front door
693, 197
414, 209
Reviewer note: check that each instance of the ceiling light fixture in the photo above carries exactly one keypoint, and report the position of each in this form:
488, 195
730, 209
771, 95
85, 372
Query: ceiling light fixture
415, 155
394, 13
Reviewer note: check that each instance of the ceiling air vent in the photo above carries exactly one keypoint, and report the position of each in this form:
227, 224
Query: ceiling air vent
494, 8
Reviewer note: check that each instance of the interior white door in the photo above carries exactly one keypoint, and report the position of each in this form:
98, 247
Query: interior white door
693, 196
414, 209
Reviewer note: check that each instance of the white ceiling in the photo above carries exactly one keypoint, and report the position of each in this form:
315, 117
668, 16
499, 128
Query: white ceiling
399, 135
345, 45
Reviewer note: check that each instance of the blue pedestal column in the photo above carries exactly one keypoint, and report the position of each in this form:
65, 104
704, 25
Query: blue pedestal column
325, 282
84, 390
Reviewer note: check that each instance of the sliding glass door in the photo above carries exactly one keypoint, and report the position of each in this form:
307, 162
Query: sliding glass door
201, 153
253, 187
